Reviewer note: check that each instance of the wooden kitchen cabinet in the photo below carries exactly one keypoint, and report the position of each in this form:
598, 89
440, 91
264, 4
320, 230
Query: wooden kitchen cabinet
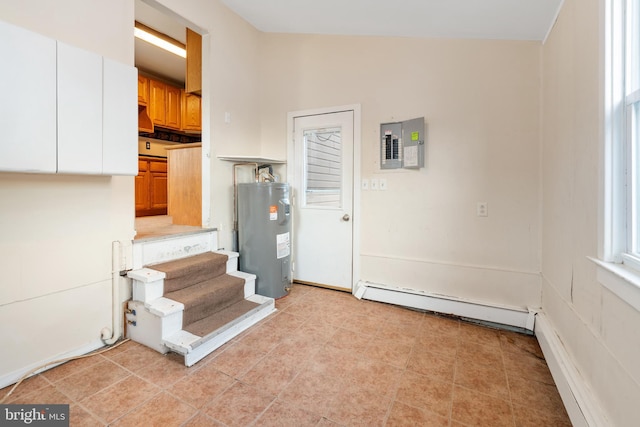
191, 112
173, 108
151, 187
164, 104
143, 90
157, 102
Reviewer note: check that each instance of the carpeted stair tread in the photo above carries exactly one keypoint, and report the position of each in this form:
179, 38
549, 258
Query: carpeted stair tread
184, 272
206, 298
215, 321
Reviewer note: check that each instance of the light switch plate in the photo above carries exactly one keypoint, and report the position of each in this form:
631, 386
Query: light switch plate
382, 184
365, 184
374, 184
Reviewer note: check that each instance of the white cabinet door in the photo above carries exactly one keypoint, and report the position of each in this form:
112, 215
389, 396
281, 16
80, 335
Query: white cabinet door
79, 111
120, 120
27, 101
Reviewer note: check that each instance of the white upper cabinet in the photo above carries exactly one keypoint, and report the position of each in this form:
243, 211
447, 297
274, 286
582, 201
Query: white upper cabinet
79, 110
27, 101
120, 119
65, 109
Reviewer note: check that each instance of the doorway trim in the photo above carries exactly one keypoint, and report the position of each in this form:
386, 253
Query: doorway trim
357, 142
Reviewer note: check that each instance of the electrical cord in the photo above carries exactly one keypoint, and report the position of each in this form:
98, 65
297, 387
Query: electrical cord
59, 361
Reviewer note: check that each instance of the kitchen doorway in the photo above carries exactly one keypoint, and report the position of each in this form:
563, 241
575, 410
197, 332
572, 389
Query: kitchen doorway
170, 116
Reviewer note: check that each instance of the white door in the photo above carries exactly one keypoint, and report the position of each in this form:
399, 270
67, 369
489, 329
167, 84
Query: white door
323, 199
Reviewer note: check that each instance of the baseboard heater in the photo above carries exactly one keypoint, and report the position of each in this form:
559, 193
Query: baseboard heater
516, 318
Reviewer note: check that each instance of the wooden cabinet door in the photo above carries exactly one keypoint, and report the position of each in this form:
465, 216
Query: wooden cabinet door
173, 107
157, 102
143, 90
141, 186
158, 184
191, 112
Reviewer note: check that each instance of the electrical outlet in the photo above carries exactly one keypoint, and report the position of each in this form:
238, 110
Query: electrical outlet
482, 209
374, 184
365, 184
382, 184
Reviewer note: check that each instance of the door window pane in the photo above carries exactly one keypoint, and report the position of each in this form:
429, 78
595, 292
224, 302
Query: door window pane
323, 168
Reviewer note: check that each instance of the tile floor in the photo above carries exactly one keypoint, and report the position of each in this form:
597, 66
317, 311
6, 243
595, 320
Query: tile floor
324, 359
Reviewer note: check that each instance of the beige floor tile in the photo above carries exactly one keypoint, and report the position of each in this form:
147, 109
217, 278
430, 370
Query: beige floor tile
531, 417
359, 405
435, 365
534, 394
166, 371
271, 374
472, 352
120, 398
26, 387
487, 379
403, 415
529, 367
312, 391
79, 417
237, 359
202, 420
395, 353
239, 405
351, 341
520, 344
71, 367
477, 409
281, 414
424, 392
202, 386
48, 394
162, 410
485, 336
90, 381
135, 358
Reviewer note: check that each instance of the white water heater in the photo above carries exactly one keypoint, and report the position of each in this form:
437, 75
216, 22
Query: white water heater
264, 235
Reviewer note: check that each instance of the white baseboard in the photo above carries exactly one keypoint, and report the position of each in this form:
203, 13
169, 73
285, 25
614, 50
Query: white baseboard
574, 391
15, 376
517, 317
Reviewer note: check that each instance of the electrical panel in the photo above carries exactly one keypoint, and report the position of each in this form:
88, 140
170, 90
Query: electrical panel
390, 145
402, 144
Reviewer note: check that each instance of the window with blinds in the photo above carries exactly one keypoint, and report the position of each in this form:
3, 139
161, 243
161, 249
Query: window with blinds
323, 167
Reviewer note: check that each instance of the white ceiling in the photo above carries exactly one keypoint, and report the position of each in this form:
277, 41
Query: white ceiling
477, 19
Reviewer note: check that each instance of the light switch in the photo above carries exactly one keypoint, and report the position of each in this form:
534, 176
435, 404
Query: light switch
365, 184
374, 184
383, 184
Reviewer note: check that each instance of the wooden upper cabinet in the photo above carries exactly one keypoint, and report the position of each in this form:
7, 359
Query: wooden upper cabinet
191, 112
173, 107
143, 90
193, 83
157, 102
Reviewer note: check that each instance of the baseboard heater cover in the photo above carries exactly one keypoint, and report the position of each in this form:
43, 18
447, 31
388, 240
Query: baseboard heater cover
578, 400
514, 317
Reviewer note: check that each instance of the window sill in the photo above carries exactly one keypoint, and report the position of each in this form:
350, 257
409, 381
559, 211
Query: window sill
623, 281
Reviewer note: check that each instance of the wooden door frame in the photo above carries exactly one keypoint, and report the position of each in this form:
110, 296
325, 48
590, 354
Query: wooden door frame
357, 141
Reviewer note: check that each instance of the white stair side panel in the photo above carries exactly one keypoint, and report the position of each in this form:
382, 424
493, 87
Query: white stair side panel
249, 282
232, 261
147, 329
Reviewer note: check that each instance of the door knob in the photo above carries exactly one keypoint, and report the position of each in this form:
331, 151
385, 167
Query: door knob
346, 217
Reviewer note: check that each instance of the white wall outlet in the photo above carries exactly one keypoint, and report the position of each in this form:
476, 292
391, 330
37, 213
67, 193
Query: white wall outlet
365, 184
374, 184
382, 184
482, 209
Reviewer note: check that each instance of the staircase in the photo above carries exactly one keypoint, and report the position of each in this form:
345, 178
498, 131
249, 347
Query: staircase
191, 303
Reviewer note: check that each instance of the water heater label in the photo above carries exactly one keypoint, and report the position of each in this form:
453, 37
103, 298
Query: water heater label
283, 245
273, 213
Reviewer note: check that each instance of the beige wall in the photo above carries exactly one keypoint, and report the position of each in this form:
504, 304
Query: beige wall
480, 100
598, 330
55, 249
230, 67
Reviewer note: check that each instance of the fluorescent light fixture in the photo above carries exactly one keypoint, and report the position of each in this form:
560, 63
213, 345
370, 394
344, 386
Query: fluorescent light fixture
159, 42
